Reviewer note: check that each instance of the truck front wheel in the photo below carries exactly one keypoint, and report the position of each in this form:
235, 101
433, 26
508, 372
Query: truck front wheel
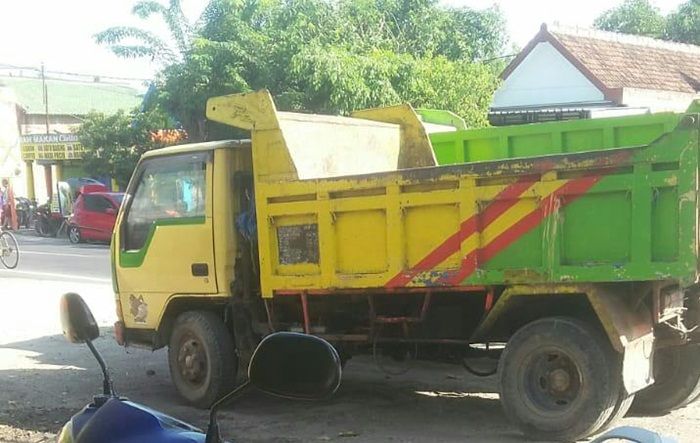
202, 358
559, 379
677, 381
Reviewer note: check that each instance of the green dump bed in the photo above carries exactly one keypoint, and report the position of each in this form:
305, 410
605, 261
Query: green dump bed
615, 198
502, 142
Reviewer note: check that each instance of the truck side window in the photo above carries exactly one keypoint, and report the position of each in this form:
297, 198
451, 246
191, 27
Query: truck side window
167, 189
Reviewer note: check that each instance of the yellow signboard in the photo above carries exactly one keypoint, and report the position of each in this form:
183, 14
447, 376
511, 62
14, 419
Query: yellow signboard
51, 147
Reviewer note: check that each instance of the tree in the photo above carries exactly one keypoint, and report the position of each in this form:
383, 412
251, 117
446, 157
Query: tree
683, 25
132, 42
335, 57
114, 143
637, 17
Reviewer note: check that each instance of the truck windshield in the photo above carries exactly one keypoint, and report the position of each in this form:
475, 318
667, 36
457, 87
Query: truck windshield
171, 188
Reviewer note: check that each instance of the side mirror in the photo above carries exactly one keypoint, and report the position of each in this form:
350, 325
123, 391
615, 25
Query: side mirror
294, 365
286, 364
110, 211
78, 323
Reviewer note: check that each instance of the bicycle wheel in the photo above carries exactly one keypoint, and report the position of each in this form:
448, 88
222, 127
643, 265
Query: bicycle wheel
9, 250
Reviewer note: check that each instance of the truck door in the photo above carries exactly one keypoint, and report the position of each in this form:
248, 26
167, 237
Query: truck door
164, 243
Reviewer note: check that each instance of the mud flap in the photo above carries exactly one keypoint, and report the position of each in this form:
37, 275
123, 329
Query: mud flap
637, 369
629, 327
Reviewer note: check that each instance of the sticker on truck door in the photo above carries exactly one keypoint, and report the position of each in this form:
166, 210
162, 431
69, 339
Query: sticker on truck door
138, 308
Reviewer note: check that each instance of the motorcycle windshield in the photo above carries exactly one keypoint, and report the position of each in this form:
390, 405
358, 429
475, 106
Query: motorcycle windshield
120, 421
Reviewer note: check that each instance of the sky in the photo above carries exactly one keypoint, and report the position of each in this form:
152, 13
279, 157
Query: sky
60, 33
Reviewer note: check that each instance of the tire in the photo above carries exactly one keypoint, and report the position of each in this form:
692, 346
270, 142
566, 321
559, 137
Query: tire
202, 358
621, 408
40, 227
9, 250
74, 235
677, 375
565, 352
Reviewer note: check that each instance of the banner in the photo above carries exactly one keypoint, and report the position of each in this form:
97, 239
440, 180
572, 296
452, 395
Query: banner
51, 147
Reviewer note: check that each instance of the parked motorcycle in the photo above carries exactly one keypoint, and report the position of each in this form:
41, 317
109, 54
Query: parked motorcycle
26, 211
46, 223
285, 364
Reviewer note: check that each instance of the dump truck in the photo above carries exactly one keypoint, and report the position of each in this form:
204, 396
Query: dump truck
566, 252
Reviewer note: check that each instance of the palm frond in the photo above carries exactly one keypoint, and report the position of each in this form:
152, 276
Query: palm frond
148, 44
146, 8
133, 51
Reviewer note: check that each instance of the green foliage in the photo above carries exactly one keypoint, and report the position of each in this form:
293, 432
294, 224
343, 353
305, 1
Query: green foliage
335, 57
683, 25
637, 17
114, 143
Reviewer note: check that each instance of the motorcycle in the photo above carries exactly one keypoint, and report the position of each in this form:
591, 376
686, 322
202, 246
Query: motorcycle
285, 364
26, 211
46, 222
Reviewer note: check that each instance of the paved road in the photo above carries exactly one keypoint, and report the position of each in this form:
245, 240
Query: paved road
57, 260
44, 380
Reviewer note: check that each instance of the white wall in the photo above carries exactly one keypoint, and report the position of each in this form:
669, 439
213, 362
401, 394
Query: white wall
545, 77
658, 101
11, 164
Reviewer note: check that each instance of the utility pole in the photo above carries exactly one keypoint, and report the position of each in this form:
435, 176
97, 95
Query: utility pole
45, 96
48, 176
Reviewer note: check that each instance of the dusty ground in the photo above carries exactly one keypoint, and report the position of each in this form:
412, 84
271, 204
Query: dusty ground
44, 380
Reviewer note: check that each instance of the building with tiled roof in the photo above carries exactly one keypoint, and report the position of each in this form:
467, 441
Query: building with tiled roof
580, 73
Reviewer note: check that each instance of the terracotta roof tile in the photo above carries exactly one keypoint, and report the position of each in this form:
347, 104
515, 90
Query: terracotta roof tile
622, 61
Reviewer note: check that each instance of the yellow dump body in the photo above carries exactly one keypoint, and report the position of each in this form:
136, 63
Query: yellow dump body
349, 203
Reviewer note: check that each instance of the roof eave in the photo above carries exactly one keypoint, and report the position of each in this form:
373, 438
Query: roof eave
545, 36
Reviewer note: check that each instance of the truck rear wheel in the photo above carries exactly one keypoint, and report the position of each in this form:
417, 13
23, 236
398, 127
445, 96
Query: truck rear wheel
677, 375
202, 358
559, 379
621, 408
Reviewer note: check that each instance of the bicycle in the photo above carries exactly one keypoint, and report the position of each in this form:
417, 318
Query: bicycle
9, 249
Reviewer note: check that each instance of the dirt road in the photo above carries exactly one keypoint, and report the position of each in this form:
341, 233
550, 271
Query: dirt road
44, 380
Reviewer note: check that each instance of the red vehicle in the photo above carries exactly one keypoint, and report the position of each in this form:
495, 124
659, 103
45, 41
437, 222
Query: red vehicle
94, 215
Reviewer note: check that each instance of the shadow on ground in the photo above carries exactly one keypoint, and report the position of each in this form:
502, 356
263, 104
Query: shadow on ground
46, 380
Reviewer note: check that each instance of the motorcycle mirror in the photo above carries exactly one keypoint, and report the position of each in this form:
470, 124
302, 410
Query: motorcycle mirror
78, 323
79, 326
286, 364
293, 365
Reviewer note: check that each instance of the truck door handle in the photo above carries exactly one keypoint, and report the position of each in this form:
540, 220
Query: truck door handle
200, 269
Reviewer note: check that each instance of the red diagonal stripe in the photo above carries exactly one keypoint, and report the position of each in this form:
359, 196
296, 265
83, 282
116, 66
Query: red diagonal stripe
467, 228
572, 189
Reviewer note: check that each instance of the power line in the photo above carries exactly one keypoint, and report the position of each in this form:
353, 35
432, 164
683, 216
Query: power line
77, 74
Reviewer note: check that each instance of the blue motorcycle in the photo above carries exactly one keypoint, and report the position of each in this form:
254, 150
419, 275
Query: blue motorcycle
285, 364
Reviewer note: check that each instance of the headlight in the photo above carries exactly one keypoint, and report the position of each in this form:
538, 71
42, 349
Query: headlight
66, 435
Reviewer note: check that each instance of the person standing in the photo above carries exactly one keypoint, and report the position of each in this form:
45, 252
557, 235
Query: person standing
9, 209
3, 198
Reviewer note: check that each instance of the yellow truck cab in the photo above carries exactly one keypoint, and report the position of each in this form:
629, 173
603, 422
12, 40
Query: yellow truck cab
346, 228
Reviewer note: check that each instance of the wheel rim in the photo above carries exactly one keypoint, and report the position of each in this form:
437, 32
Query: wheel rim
74, 234
192, 361
551, 381
9, 251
